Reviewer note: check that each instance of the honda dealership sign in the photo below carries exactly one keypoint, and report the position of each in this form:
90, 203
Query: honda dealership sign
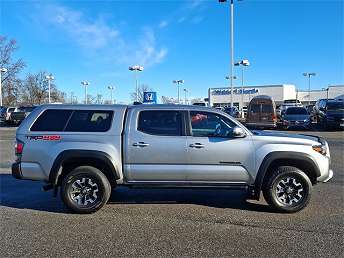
224, 91
149, 97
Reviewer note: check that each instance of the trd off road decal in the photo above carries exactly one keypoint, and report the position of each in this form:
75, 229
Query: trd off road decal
44, 137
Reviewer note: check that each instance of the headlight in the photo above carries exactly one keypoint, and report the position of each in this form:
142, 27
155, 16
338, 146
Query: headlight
306, 120
321, 148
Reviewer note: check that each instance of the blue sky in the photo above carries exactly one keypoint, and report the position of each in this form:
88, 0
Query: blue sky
98, 40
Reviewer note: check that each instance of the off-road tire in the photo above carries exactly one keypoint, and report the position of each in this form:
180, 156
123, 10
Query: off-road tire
95, 193
274, 191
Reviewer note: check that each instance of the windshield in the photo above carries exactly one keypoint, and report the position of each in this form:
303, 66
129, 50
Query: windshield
296, 111
335, 105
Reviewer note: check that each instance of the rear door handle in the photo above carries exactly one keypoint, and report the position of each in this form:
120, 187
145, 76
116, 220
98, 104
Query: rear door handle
197, 145
140, 144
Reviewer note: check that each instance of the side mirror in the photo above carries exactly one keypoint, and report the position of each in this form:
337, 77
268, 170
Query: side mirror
238, 132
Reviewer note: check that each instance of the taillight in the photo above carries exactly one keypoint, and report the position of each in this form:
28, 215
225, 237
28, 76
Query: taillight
19, 147
274, 117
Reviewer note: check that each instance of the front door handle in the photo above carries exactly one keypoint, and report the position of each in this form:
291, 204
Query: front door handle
197, 145
140, 144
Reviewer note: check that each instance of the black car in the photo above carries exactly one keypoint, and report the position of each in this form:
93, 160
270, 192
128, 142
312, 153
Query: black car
232, 111
296, 117
330, 114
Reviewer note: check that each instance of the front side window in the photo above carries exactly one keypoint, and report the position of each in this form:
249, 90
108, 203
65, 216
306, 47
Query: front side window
89, 121
163, 123
205, 124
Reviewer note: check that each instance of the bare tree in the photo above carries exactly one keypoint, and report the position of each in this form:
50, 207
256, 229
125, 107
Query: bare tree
35, 90
141, 89
168, 100
9, 80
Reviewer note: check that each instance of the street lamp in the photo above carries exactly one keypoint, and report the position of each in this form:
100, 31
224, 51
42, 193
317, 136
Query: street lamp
233, 77
185, 98
326, 89
178, 82
242, 63
2, 70
49, 78
231, 45
85, 84
111, 88
136, 69
309, 85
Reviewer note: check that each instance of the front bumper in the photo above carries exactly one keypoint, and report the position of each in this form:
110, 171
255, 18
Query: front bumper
16, 171
330, 175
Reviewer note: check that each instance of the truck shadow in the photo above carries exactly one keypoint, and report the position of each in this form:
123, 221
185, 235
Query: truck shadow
23, 194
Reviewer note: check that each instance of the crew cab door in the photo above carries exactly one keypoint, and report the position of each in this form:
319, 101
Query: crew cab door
214, 155
155, 146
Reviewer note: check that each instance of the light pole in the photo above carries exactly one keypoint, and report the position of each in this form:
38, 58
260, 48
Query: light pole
49, 79
178, 82
136, 69
185, 98
111, 88
85, 84
231, 44
326, 91
309, 85
242, 63
2, 70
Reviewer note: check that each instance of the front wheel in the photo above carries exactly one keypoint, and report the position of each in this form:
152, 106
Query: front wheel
85, 190
288, 189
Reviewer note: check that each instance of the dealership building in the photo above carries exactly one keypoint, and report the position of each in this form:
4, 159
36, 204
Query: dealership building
222, 96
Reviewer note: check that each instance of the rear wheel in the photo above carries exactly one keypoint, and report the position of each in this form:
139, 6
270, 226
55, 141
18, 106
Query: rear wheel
288, 189
85, 190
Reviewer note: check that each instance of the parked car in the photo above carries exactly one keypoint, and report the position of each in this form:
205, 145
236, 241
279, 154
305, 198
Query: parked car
286, 104
20, 114
293, 102
232, 111
296, 117
5, 114
330, 114
86, 150
320, 103
262, 113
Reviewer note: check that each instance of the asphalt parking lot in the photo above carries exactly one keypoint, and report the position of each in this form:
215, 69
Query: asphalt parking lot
181, 223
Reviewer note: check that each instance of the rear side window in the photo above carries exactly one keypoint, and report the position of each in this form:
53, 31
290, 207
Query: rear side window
164, 123
89, 121
51, 120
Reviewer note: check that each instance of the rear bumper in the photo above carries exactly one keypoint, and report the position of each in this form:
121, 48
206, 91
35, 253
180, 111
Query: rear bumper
31, 171
16, 171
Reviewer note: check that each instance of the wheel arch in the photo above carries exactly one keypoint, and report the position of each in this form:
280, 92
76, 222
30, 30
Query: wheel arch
69, 159
302, 161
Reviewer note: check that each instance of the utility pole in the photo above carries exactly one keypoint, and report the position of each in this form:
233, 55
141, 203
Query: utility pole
136, 69
2, 70
111, 88
178, 82
231, 45
309, 85
85, 84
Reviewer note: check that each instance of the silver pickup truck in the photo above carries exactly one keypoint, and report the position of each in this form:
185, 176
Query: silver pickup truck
86, 150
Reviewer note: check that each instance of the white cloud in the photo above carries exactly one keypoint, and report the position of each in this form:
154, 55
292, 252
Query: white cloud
96, 36
90, 34
148, 53
163, 24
